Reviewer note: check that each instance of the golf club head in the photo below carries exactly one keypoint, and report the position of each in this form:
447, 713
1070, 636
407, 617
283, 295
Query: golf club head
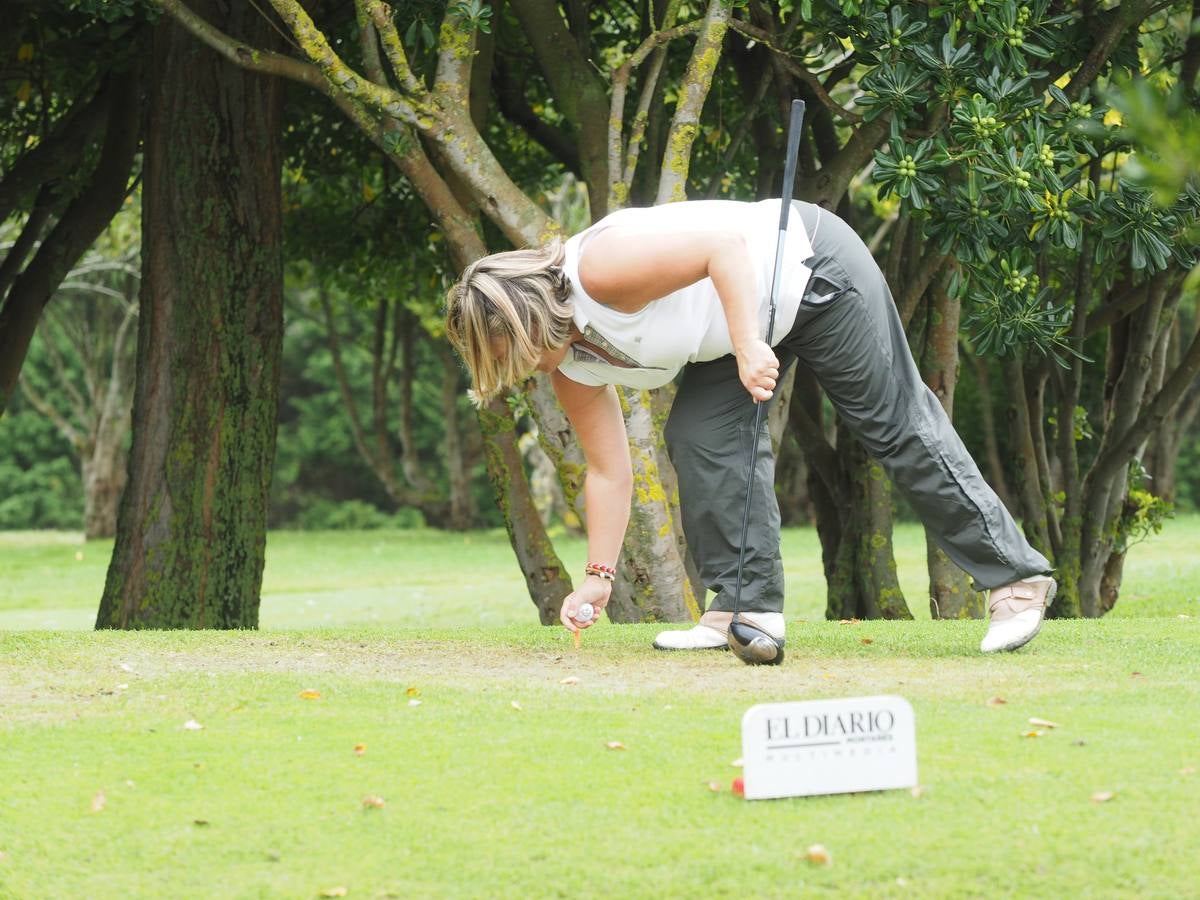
753, 646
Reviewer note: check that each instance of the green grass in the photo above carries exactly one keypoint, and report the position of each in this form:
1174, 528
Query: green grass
485, 799
54, 580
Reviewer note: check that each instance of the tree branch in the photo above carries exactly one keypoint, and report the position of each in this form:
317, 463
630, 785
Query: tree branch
828, 185
38, 402
380, 16
81, 223
619, 179
241, 54
697, 81
79, 404
60, 152
31, 234
1126, 303
1151, 417
1124, 16
927, 269
516, 109
796, 70
456, 51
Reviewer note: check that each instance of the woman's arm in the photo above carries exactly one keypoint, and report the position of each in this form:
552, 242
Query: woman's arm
626, 269
595, 413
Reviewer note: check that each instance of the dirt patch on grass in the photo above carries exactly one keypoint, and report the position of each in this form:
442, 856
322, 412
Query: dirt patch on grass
67, 676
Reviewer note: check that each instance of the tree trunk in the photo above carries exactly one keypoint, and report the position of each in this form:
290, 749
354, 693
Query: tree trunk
864, 583
1110, 581
995, 468
191, 532
104, 473
1029, 488
951, 595
462, 510
545, 576
659, 588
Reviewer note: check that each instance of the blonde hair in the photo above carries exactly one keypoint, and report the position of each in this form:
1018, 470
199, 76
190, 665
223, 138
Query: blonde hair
520, 299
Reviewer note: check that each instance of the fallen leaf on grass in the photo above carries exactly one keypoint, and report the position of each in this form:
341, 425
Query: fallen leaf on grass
310, 694
614, 745
848, 621
338, 891
1135, 675
360, 749
372, 802
412, 692
715, 787
818, 855
1102, 796
1042, 723
98, 801
570, 679
1032, 734
203, 823
516, 704
868, 640
996, 701
192, 725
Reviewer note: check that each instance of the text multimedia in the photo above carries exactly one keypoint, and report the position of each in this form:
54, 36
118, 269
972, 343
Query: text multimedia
848, 724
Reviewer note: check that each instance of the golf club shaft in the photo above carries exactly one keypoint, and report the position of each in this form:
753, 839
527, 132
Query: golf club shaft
795, 123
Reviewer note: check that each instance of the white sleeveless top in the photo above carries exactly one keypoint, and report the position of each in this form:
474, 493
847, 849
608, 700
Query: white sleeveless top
689, 325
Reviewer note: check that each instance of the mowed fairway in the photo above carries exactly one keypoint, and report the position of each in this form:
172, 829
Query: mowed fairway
494, 775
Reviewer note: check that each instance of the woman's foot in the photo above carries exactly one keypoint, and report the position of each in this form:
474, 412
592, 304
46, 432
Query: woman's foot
1017, 611
712, 630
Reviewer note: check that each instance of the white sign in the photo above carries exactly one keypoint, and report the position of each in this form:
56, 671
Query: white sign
828, 747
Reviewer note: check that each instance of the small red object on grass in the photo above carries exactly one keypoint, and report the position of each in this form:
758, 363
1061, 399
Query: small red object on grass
739, 787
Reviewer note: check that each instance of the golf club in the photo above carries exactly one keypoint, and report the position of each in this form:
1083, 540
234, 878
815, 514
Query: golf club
749, 643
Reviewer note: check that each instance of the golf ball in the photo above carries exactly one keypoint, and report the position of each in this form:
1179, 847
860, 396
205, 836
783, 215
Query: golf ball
585, 613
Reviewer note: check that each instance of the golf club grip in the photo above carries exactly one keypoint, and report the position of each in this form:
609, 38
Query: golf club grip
795, 124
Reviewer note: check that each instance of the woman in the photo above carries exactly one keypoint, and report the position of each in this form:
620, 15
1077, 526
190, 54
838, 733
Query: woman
646, 293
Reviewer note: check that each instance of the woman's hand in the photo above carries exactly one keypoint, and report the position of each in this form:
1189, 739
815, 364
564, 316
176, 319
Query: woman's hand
758, 367
595, 591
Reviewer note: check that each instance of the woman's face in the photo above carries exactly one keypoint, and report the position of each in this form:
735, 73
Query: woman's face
547, 362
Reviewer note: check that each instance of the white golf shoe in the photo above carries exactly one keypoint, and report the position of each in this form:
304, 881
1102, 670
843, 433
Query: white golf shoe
710, 633
1017, 611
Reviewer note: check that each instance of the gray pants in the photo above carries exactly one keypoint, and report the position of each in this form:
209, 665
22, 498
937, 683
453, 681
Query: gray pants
849, 334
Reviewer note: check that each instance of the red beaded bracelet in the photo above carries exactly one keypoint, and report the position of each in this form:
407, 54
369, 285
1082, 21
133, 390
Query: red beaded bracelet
608, 573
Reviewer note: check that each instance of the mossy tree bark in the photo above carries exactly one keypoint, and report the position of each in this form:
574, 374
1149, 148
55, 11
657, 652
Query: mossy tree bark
951, 595
853, 500
192, 527
545, 577
864, 583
